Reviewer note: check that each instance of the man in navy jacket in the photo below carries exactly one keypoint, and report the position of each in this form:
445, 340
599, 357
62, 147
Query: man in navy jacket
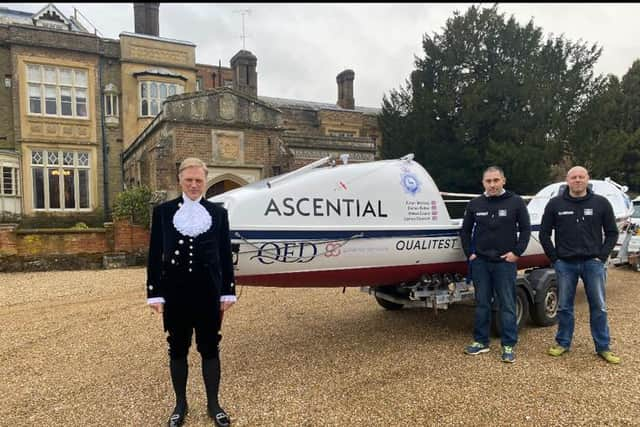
190, 281
495, 232
580, 218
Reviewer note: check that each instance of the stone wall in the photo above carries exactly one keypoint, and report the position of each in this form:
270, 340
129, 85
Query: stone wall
7, 139
239, 137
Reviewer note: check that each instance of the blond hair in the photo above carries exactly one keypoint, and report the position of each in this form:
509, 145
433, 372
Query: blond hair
193, 162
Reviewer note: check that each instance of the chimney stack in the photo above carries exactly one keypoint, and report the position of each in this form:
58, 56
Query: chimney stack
345, 89
146, 18
245, 77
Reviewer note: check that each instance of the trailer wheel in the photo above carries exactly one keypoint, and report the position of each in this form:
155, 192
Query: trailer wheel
522, 312
388, 305
545, 312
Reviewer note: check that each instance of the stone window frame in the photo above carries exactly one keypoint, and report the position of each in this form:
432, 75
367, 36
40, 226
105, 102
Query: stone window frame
145, 94
44, 86
60, 165
9, 173
110, 101
345, 133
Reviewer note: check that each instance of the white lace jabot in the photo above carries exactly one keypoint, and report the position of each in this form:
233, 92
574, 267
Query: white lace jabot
192, 218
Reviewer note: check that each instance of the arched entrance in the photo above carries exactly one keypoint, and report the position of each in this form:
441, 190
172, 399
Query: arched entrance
223, 184
221, 187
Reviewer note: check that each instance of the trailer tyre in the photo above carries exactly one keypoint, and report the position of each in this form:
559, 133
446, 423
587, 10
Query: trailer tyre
522, 313
388, 305
545, 311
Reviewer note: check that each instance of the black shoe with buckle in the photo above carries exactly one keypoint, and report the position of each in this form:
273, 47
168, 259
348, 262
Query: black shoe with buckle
220, 418
178, 416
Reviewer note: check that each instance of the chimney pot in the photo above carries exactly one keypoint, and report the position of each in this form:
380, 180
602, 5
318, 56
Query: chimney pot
146, 18
345, 89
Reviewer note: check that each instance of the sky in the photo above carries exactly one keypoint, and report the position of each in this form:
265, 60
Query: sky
301, 47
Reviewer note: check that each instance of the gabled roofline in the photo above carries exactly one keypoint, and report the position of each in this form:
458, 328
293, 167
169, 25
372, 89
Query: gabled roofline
160, 117
51, 6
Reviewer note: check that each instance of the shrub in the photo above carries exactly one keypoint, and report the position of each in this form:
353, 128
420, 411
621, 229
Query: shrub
133, 204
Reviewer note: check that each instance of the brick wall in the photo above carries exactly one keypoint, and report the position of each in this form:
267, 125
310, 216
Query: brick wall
130, 238
206, 73
52, 249
60, 242
192, 140
8, 240
262, 148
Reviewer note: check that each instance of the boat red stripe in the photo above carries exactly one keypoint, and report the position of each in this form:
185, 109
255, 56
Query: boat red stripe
368, 276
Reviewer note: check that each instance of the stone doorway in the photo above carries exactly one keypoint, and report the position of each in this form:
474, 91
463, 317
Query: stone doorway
221, 187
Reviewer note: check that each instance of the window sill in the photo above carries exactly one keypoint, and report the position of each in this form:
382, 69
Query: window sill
65, 118
111, 121
85, 210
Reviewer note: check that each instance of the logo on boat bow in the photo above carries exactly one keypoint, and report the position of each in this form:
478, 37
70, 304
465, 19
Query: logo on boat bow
410, 183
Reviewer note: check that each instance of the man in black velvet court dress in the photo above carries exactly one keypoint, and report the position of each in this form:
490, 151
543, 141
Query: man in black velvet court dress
190, 281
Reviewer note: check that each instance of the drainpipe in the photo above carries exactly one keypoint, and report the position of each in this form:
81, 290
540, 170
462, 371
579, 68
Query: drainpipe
105, 148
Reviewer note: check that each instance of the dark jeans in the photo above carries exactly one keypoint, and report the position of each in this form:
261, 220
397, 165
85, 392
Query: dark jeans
593, 275
497, 278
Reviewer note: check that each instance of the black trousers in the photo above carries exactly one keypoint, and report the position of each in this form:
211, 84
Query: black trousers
192, 306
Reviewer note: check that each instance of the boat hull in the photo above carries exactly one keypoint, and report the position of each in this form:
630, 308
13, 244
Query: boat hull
357, 261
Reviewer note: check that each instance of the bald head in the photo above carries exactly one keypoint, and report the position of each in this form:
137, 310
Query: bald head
577, 180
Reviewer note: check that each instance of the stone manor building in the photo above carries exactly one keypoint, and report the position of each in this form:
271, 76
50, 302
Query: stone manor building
86, 116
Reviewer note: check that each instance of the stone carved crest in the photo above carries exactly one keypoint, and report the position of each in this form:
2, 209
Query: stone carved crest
227, 106
257, 113
229, 147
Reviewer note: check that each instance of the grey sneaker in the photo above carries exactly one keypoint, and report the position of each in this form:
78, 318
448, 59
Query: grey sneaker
508, 355
476, 348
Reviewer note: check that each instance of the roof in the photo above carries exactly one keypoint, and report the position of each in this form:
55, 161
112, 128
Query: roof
315, 106
161, 39
9, 16
48, 15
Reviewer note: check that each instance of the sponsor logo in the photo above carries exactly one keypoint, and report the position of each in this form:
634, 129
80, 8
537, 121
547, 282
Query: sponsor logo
562, 213
410, 183
427, 244
502, 212
332, 249
482, 213
286, 252
588, 212
317, 206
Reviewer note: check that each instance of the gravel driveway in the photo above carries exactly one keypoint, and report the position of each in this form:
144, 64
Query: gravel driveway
82, 349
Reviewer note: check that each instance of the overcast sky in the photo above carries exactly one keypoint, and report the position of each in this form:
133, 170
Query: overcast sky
302, 47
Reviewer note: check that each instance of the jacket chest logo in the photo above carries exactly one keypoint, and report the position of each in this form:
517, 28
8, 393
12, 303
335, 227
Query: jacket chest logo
482, 213
588, 212
563, 213
502, 212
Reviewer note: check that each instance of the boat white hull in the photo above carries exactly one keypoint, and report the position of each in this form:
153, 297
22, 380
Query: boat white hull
353, 260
